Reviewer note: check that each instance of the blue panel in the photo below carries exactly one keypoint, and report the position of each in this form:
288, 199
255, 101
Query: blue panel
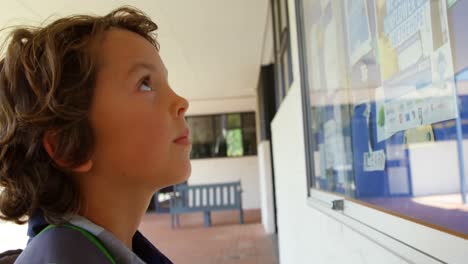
368, 184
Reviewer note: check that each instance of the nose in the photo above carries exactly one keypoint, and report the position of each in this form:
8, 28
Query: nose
181, 106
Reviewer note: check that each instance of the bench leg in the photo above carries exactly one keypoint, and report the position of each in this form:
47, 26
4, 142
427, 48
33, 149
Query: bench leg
207, 218
241, 216
177, 220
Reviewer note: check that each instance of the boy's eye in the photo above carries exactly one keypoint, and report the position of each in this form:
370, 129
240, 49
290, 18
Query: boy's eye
145, 87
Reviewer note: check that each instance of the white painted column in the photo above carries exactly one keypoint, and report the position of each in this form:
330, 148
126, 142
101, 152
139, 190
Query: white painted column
266, 186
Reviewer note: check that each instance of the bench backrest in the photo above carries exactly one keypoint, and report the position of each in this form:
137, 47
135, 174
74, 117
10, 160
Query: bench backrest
220, 196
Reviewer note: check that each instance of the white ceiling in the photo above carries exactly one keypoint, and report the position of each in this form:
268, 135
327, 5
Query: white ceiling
212, 48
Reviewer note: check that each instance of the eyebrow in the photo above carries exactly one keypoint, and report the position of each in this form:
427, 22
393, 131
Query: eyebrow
145, 65
140, 65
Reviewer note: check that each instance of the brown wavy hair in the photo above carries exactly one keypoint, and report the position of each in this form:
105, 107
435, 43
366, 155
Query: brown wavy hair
47, 78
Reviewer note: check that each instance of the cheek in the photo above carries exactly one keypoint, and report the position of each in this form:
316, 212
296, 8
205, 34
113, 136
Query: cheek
133, 141
146, 139
149, 143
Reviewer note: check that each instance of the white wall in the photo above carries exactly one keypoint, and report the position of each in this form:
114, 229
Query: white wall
216, 170
13, 13
266, 186
222, 105
316, 234
12, 236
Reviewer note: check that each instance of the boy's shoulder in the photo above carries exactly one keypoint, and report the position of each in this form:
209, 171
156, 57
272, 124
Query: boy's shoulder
61, 245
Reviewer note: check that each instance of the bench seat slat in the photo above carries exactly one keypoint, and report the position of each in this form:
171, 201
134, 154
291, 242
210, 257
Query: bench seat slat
221, 194
206, 198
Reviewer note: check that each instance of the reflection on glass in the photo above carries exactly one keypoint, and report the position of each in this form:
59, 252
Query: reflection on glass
201, 136
234, 142
388, 85
234, 136
224, 135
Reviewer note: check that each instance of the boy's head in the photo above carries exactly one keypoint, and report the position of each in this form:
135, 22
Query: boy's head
85, 104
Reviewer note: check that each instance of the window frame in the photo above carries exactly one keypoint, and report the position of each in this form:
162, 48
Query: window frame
282, 48
413, 241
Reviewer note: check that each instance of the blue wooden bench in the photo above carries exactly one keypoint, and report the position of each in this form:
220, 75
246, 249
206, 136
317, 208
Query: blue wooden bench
205, 198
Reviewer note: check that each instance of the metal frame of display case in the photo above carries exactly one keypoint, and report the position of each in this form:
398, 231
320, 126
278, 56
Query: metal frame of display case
363, 218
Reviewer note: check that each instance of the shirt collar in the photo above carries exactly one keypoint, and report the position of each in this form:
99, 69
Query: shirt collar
143, 249
120, 252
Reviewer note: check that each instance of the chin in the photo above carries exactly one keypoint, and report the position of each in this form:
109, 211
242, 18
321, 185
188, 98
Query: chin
181, 175
185, 174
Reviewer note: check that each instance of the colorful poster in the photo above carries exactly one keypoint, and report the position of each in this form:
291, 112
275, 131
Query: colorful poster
380, 114
422, 134
416, 64
373, 160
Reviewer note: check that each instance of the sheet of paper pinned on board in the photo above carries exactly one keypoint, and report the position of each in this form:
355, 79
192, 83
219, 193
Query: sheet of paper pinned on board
374, 161
416, 66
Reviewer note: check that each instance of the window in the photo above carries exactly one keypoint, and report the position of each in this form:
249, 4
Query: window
386, 105
282, 46
223, 135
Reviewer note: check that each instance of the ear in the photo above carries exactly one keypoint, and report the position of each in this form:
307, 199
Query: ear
49, 143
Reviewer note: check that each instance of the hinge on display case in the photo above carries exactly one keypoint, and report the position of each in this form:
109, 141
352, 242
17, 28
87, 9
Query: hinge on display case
338, 205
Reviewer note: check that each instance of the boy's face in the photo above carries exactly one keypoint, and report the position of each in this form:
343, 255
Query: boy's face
141, 137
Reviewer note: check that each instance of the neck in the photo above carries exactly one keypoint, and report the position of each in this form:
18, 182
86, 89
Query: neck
118, 208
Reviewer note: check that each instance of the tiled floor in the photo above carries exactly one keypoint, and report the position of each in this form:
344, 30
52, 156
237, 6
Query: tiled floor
225, 242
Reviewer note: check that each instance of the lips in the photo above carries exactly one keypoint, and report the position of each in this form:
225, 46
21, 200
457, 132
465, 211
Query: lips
184, 138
